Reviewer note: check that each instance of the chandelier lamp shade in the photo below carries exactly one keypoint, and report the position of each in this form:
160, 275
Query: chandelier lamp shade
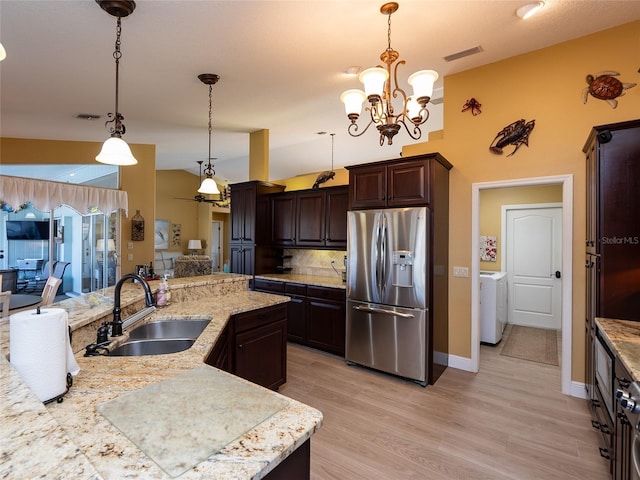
209, 185
381, 87
115, 151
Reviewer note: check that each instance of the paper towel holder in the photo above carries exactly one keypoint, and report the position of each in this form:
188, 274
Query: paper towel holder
59, 398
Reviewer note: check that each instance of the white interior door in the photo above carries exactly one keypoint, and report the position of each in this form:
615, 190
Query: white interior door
216, 246
533, 264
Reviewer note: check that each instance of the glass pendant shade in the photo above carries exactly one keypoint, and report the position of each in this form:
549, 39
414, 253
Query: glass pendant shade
422, 83
353, 100
115, 151
209, 186
3, 53
373, 80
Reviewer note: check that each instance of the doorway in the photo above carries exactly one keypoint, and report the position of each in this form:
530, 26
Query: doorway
566, 181
216, 245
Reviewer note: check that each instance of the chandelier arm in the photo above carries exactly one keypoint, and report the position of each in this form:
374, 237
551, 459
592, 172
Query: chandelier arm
416, 134
353, 128
396, 88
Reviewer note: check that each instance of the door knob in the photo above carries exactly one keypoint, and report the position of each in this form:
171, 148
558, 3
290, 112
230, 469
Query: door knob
557, 274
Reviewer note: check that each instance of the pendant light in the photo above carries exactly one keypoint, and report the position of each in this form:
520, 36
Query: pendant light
115, 150
209, 185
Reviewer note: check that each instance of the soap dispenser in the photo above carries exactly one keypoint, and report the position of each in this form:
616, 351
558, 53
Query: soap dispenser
161, 299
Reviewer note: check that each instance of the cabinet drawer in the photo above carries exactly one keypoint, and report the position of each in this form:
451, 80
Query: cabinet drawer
295, 288
336, 294
268, 285
256, 318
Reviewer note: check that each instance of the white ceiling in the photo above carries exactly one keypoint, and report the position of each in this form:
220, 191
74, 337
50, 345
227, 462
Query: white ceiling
281, 65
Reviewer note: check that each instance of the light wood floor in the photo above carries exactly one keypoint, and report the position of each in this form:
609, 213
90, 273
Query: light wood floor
509, 421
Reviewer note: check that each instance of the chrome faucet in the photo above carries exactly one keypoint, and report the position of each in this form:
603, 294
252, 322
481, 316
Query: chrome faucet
116, 324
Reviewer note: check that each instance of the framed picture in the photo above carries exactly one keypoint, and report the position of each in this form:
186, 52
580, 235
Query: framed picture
161, 235
176, 235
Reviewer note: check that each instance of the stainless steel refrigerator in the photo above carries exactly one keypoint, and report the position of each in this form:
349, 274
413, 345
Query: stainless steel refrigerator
387, 291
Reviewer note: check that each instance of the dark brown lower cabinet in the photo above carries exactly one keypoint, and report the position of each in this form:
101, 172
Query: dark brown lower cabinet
316, 315
253, 346
296, 466
326, 317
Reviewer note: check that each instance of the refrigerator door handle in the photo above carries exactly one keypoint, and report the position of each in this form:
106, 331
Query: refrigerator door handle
382, 310
378, 260
383, 256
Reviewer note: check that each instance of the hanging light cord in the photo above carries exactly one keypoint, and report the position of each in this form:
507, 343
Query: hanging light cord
118, 128
332, 139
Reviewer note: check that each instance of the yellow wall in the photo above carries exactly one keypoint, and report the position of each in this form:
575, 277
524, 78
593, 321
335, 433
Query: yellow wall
172, 187
303, 182
138, 180
491, 202
544, 85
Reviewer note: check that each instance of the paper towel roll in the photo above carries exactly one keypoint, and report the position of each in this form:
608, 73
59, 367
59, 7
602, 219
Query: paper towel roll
40, 350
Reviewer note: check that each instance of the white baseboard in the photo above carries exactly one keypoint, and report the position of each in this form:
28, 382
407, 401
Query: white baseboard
461, 363
578, 390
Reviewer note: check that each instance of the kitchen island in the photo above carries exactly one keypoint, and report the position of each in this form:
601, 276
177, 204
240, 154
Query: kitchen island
73, 440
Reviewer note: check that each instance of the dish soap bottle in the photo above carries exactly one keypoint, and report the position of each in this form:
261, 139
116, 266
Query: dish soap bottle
161, 300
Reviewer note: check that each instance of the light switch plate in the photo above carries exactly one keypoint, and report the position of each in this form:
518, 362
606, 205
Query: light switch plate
460, 271
130, 257
130, 246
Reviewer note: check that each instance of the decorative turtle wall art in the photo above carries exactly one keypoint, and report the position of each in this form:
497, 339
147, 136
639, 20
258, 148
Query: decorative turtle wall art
516, 133
604, 86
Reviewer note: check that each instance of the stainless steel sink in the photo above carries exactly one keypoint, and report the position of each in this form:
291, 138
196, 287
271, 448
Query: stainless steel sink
152, 347
173, 328
161, 337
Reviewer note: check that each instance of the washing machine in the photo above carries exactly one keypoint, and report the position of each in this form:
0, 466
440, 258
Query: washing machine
493, 306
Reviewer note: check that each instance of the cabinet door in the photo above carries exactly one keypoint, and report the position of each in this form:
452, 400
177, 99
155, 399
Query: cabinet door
243, 211
367, 187
242, 258
283, 225
326, 311
310, 216
408, 183
296, 319
337, 205
261, 355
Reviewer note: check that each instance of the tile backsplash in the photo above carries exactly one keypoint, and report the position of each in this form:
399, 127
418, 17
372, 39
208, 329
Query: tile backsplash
315, 262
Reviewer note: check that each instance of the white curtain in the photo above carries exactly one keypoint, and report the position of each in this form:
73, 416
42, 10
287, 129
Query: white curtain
45, 195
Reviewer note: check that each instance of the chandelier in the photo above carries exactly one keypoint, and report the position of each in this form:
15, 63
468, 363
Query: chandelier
209, 185
115, 150
379, 92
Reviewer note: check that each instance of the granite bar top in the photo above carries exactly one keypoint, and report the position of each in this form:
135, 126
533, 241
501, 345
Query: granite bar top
73, 440
623, 336
317, 280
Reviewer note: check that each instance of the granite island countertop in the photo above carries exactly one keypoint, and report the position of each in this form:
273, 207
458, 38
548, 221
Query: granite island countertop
73, 440
623, 336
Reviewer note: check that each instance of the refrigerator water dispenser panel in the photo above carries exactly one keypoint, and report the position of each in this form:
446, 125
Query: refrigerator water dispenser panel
402, 262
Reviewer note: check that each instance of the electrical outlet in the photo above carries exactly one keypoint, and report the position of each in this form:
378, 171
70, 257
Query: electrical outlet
460, 272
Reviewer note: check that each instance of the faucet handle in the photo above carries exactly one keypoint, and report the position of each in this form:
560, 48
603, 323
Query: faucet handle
103, 333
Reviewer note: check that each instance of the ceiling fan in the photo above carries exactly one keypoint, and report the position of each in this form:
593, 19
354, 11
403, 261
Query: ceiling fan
225, 194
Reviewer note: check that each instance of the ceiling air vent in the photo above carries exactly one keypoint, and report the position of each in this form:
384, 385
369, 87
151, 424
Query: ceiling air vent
463, 53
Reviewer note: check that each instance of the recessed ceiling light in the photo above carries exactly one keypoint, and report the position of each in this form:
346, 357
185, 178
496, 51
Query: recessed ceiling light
353, 70
529, 10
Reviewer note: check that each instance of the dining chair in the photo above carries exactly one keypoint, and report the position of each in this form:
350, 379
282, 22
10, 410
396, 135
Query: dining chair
5, 299
49, 291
